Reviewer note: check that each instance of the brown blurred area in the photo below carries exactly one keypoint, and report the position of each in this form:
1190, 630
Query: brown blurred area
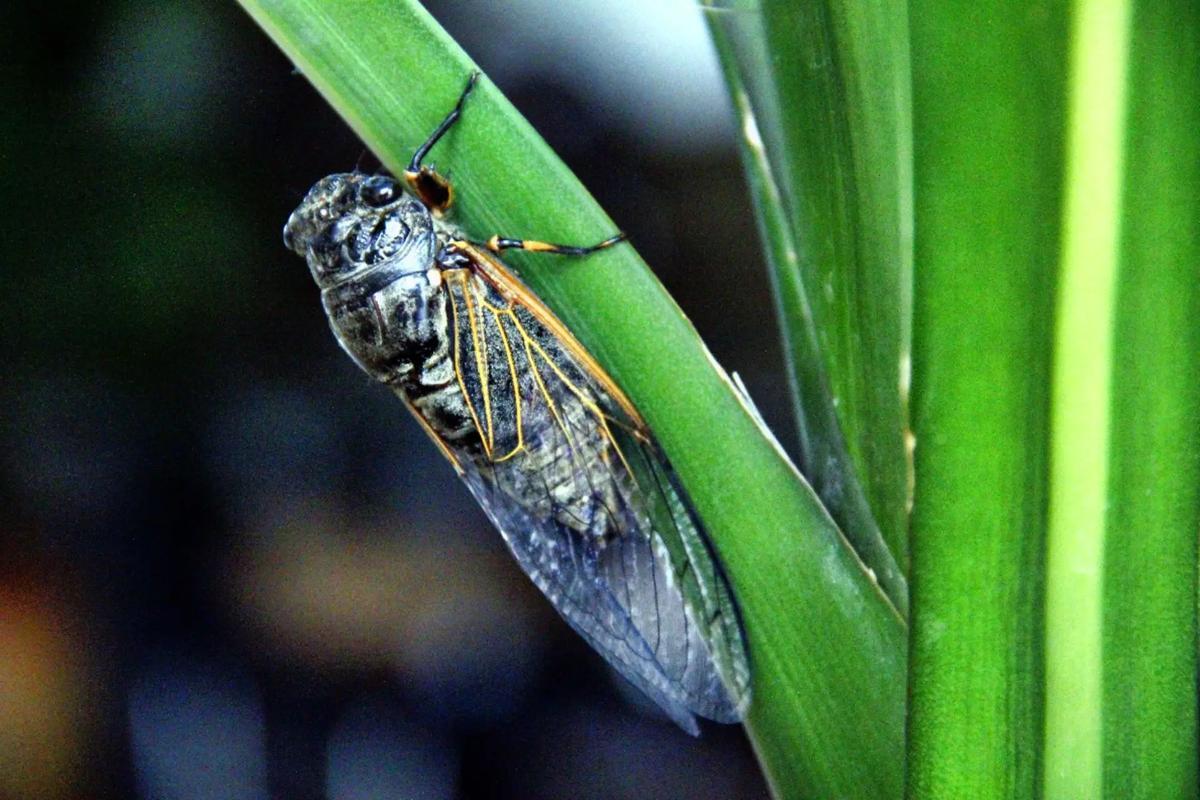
230, 567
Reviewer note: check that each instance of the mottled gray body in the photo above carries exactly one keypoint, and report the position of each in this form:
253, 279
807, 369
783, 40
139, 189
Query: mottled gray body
582, 496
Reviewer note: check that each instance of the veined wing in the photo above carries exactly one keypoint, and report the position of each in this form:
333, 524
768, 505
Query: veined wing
588, 503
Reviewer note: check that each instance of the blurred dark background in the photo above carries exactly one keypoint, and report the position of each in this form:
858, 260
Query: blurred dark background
230, 567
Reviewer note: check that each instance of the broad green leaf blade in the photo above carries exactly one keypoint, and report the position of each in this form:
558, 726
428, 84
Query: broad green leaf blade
1124, 501
827, 649
1080, 419
821, 91
1149, 629
988, 128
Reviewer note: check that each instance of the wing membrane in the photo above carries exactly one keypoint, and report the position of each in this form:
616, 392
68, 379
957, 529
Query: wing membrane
588, 503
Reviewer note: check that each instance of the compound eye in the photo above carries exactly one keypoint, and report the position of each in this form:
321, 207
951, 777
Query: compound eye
379, 191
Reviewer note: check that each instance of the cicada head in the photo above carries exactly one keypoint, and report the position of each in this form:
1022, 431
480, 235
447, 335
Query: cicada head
350, 224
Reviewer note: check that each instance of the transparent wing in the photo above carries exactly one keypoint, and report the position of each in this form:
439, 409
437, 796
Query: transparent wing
589, 505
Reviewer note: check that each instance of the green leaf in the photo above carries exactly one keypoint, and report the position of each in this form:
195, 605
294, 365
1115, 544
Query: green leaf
1056, 394
989, 82
821, 90
1081, 422
1121, 540
827, 649
1149, 727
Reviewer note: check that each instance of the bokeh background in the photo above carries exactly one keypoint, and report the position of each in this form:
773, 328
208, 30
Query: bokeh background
230, 566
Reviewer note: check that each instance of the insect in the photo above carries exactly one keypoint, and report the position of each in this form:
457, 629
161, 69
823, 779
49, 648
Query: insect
551, 448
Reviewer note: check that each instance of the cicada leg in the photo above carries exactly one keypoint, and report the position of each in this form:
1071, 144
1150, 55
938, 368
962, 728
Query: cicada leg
498, 244
434, 190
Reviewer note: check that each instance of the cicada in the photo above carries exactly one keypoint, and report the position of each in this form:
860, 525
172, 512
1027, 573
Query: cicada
550, 446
